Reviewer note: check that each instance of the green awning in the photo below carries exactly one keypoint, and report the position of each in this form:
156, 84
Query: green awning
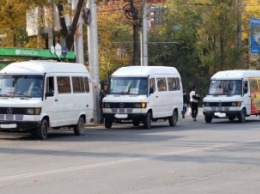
29, 53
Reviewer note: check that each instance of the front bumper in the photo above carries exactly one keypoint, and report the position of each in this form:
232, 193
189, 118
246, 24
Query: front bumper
227, 113
18, 126
119, 116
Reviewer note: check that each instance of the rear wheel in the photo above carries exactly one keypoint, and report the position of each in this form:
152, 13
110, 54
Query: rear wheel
242, 116
108, 123
42, 130
173, 119
208, 119
79, 127
147, 120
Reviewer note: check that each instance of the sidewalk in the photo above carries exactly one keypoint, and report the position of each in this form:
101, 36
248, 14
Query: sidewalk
200, 113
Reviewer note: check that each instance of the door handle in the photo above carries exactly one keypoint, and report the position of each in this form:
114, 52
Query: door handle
56, 100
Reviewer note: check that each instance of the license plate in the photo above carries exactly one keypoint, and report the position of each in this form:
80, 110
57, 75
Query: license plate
121, 116
8, 126
219, 114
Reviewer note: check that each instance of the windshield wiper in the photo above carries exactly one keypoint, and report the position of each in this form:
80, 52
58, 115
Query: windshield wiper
20, 94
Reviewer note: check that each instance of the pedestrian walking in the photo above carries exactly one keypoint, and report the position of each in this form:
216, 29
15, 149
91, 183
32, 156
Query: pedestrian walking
186, 101
194, 103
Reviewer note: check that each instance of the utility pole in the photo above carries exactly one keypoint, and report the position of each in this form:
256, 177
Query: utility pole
144, 33
93, 54
239, 33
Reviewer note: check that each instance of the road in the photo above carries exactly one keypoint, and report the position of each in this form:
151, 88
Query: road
192, 157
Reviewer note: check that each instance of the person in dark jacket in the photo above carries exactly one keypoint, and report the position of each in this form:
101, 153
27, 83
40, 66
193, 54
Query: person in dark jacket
186, 101
102, 94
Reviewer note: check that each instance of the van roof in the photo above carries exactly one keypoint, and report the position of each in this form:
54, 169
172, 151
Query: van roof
40, 67
145, 71
236, 74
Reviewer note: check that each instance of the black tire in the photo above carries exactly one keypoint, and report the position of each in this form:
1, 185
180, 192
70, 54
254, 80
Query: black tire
173, 119
136, 122
78, 129
208, 119
108, 123
242, 116
42, 130
147, 120
231, 118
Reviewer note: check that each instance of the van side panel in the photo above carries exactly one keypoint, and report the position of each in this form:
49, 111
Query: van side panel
254, 84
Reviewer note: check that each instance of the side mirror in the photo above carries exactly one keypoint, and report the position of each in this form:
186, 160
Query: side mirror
49, 94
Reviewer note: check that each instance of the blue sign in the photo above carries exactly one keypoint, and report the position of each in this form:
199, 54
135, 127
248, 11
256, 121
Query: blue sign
64, 51
255, 35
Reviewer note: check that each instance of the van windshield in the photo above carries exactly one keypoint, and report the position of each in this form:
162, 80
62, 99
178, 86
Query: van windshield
225, 87
21, 85
128, 85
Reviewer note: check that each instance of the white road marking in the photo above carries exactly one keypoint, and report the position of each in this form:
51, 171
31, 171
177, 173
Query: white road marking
113, 162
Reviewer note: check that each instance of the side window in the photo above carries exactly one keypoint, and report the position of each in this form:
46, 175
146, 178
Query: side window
63, 84
86, 83
78, 84
161, 84
245, 87
172, 85
152, 85
50, 84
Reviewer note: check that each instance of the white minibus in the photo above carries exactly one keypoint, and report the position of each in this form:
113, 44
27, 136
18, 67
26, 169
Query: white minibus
38, 95
233, 94
143, 94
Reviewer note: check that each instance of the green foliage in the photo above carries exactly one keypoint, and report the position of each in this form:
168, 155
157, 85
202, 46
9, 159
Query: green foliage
115, 39
205, 36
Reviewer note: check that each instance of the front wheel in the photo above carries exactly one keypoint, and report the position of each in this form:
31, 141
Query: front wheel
173, 119
108, 123
242, 116
147, 120
42, 130
79, 127
208, 119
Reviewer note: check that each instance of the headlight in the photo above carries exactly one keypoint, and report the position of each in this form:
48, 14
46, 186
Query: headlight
33, 111
206, 103
140, 105
238, 103
106, 105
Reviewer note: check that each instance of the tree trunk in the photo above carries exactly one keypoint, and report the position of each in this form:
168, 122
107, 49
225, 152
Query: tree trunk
68, 34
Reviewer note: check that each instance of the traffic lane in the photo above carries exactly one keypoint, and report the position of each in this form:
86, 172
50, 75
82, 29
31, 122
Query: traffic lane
205, 170
62, 144
136, 143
